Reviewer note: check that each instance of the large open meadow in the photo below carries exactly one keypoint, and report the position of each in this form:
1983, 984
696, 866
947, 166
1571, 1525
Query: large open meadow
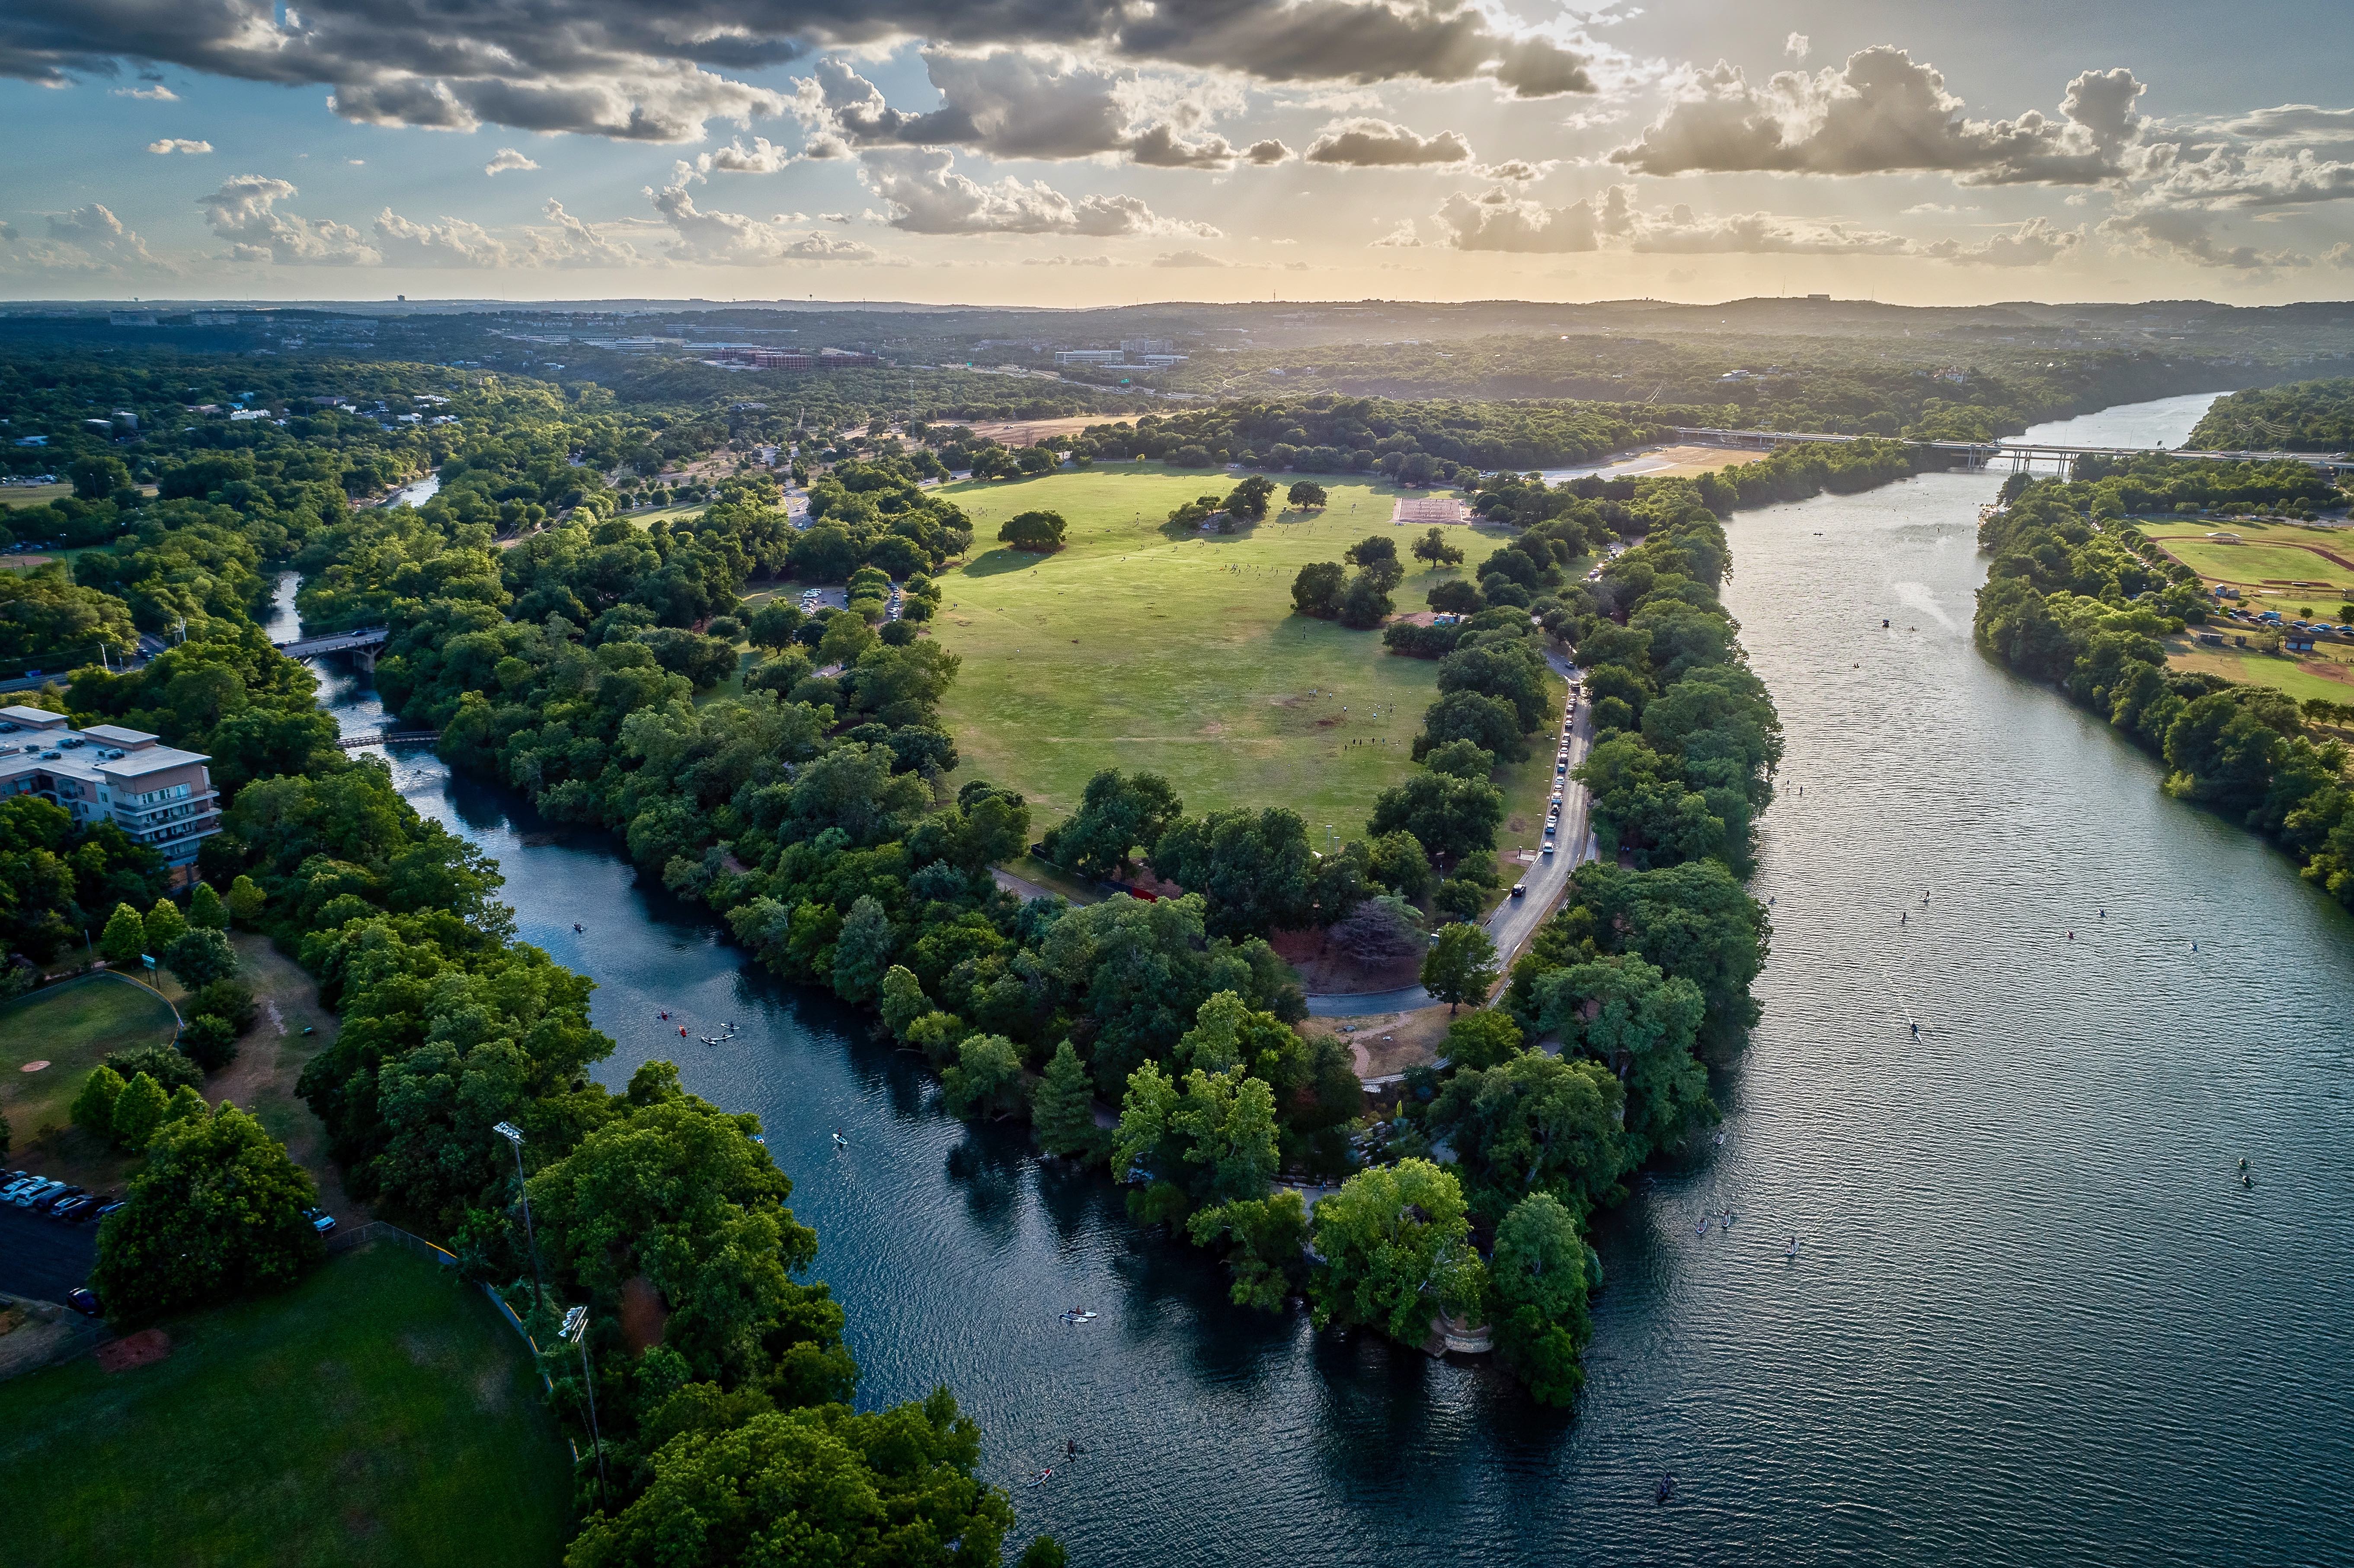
2268, 558
1137, 646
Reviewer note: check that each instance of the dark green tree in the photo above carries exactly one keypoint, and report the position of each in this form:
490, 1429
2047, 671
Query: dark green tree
1318, 589
1062, 1112
1539, 1283
1460, 966
1040, 533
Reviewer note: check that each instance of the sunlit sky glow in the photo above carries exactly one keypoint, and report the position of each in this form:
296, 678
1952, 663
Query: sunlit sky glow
1073, 152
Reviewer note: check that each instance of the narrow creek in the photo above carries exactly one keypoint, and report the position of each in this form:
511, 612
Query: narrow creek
2034, 1319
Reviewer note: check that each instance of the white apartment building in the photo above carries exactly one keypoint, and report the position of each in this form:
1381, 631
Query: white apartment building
157, 794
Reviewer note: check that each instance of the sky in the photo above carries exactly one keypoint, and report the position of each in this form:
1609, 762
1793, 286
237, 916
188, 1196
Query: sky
1098, 152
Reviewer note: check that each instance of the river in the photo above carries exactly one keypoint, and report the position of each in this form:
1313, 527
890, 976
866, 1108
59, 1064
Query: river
2035, 1318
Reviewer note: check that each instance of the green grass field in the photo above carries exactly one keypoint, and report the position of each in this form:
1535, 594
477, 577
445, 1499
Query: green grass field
2327, 674
2270, 553
1137, 648
70, 1026
379, 1412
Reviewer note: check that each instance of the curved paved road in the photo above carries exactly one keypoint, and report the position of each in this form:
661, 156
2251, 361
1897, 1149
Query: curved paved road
1515, 920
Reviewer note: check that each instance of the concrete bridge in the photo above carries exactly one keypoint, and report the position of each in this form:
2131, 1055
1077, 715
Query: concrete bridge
388, 737
361, 643
2016, 454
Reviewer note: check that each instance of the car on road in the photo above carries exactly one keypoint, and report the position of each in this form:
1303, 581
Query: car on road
321, 1221
82, 1300
1548, 846
1520, 890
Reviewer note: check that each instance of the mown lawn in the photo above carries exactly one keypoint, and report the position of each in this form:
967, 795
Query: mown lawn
1140, 647
72, 1026
2326, 673
379, 1412
2269, 553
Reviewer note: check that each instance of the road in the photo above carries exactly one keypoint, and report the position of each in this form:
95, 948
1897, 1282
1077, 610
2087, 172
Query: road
1515, 920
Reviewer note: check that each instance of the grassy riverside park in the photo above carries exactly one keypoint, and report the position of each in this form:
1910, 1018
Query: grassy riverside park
378, 1412
1136, 646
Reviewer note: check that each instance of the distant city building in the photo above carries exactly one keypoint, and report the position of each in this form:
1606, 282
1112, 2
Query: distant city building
157, 794
1088, 356
1146, 345
131, 318
843, 358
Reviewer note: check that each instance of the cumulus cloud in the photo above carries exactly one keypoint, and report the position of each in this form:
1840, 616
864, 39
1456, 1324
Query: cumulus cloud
653, 73
735, 239
1367, 143
2188, 234
1187, 258
1882, 112
1496, 219
452, 242
1402, 238
158, 93
244, 212
98, 235
1518, 170
570, 243
1797, 46
506, 159
2030, 244
171, 144
925, 195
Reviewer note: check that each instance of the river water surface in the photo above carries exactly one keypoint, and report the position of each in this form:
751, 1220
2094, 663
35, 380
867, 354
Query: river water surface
2034, 1319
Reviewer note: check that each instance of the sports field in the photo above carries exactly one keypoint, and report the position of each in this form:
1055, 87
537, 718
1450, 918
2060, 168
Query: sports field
2269, 556
378, 1412
1136, 646
72, 1026
2327, 672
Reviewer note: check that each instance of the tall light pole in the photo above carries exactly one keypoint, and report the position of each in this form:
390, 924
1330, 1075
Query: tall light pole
576, 1329
514, 1135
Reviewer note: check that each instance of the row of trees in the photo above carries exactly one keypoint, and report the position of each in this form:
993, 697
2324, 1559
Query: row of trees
2076, 597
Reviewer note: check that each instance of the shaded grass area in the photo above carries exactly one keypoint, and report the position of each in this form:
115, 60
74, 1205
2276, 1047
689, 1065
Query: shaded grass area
71, 1025
1137, 646
378, 1412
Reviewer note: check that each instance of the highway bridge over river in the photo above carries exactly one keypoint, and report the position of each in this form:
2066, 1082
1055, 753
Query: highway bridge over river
2018, 455
361, 643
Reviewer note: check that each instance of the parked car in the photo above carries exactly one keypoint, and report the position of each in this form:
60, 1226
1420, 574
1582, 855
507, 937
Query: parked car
83, 1301
23, 1197
106, 1209
74, 1211
48, 1202
321, 1221
17, 1182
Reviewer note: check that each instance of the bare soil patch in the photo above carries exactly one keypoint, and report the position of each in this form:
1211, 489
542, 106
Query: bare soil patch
1326, 968
142, 1348
1386, 1042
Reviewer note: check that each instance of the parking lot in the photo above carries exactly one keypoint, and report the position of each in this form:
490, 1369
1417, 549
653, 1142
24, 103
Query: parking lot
40, 1258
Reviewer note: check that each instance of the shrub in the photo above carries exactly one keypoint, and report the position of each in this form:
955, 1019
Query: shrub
200, 956
209, 1040
138, 1112
164, 1063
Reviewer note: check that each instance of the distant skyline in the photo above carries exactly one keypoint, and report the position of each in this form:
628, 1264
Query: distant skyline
1071, 152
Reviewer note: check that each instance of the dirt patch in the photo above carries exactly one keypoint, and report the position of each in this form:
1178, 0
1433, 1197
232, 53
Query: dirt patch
1325, 968
1029, 432
142, 1348
1386, 1042
644, 1316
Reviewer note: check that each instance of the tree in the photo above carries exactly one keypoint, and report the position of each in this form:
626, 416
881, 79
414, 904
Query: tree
206, 910
217, 1213
1488, 723
1372, 552
862, 952
1366, 602
816, 1486
124, 938
1117, 813
1395, 1245
1455, 598
1044, 1552
96, 478
1248, 500
200, 956
209, 1040
1040, 533
1450, 817
138, 1112
1397, 860
902, 1000
1531, 1123
1254, 868
1378, 931
1228, 1123
1267, 1239
1485, 1038
164, 926
1539, 1283
1062, 1112
1462, 759
1460, 966
986, 1079
184, 1105
1434, 547
1316, 591
775, 626
93, 1108
1641, 1024
245, 900
1305, 495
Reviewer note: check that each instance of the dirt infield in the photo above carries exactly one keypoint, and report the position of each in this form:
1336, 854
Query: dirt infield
1029, 432
143, 1349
